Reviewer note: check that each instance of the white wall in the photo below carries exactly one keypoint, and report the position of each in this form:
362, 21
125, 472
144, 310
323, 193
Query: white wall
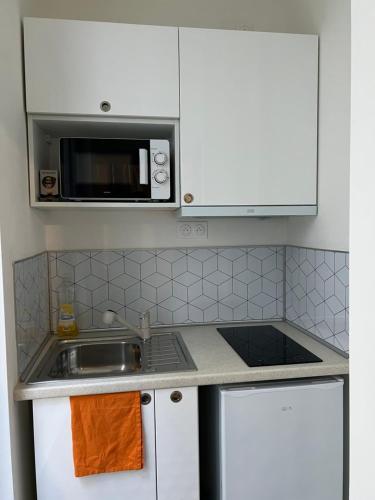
22, 234
362, 244
329, 18
331, 228
118, 229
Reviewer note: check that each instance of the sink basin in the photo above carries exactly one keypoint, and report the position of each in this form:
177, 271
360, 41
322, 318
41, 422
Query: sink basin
97, 358
112, 356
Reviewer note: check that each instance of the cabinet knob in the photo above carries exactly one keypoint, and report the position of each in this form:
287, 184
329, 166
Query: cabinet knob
176, 396
188, 198
105, 106
146, 398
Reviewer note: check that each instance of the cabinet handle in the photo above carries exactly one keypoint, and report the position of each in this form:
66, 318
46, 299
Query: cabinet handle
143, 166
105, 106
146, 398
176, 396
188, 198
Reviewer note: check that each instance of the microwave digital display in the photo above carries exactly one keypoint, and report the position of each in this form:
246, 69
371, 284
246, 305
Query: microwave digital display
114, 169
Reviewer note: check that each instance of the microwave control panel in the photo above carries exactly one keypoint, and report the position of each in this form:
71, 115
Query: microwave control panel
160, 169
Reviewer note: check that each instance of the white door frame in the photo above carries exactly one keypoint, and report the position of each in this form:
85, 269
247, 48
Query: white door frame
362, 251
6, 476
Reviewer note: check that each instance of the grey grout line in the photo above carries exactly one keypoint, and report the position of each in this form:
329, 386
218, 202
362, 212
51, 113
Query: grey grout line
318, 339
183, 248
19, 261
317, 249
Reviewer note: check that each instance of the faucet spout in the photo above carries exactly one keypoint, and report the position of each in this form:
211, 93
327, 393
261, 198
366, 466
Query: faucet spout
109, 317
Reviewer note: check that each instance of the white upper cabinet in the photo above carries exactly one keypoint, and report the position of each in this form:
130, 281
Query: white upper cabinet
71, 67
248, 104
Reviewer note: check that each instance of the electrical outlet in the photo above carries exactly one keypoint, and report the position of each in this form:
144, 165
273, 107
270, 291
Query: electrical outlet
192, 230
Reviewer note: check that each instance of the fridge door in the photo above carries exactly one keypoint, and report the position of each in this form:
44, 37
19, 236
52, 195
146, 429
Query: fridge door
282, 441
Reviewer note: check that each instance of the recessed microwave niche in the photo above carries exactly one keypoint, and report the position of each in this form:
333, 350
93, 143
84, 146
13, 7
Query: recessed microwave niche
104, 162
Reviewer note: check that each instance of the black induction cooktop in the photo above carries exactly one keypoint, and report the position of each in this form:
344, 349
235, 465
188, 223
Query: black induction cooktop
265, 345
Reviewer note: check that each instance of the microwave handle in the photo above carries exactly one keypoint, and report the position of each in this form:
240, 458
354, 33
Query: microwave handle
143, 166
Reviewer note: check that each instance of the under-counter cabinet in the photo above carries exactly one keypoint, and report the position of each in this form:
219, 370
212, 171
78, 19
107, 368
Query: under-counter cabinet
96, 68
248, 126
171, 452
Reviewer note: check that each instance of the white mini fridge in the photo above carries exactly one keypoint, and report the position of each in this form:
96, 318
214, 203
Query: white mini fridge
279, 441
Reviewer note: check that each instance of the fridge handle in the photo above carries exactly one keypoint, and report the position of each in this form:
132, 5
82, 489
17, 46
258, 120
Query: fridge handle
143, 166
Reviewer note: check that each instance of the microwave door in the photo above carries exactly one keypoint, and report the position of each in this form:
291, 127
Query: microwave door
106, 169
132, 174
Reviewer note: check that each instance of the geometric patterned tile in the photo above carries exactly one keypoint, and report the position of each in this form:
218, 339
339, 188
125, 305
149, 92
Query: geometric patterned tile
180, 285
317, 291
31, 306
186, 285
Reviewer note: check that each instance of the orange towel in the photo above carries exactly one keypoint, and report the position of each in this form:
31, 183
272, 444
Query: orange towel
107, 433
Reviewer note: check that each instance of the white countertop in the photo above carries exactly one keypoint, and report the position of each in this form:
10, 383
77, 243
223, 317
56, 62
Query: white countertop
216, 363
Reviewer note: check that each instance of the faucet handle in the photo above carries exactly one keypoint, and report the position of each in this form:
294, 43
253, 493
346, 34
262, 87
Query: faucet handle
145, 325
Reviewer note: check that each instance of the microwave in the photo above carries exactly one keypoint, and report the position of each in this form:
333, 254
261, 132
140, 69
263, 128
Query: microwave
125, 170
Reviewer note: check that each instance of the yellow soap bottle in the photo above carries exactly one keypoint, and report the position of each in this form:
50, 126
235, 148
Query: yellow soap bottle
66, 322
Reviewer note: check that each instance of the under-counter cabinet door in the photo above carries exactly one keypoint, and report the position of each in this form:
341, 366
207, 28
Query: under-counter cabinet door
54, 459
248, 106
72, 67
177, 448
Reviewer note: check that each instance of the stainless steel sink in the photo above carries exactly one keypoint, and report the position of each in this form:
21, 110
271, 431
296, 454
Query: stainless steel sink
97, 358
112, 356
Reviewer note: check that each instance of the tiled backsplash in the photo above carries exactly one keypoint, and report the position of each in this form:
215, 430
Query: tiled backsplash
184, 285
31, 305
317, 293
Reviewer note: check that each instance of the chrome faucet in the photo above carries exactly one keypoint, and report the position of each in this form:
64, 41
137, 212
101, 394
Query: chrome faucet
143, 331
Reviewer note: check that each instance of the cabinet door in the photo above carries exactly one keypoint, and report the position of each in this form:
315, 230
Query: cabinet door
71, 67
248, 117
54, 459
177, 447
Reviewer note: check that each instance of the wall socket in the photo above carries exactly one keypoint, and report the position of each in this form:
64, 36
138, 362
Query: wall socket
192, 230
